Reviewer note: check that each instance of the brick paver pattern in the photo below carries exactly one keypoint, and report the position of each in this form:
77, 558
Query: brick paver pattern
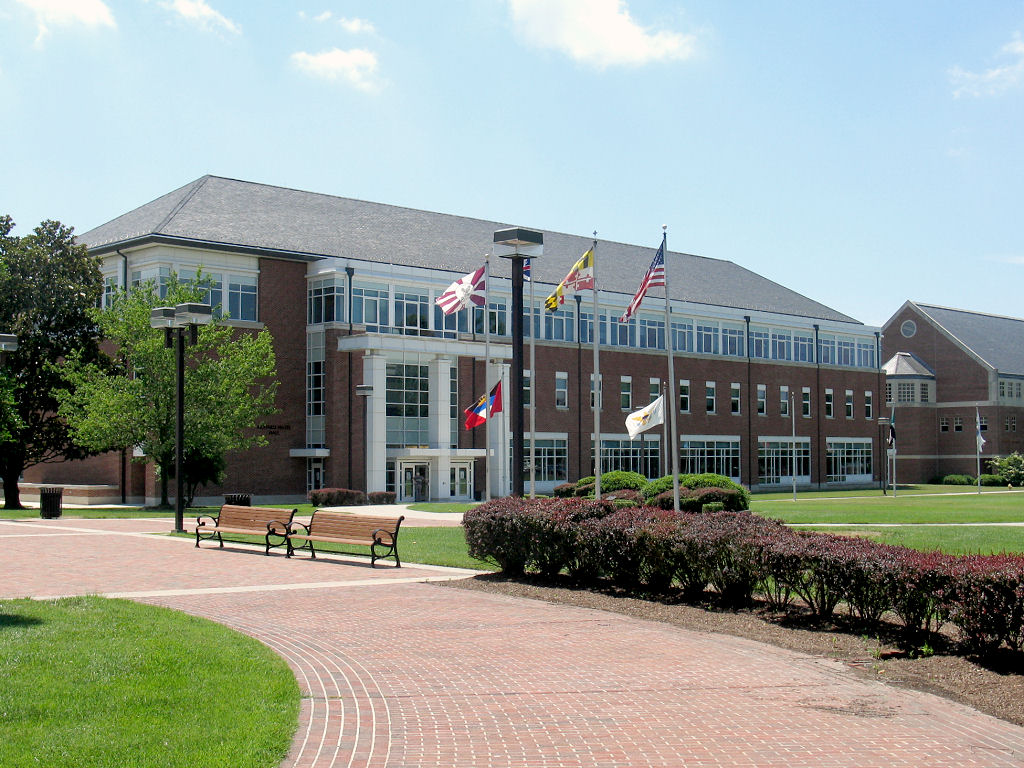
399, 673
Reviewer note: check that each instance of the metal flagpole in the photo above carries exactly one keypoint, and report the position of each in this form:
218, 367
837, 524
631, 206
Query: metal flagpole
664, 421
487, 377
598, 404
892, 429
977, 445
674, 434
792, 418
534, 316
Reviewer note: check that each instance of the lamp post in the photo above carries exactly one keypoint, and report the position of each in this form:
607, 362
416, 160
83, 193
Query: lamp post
519, 244
175, 321
8, 343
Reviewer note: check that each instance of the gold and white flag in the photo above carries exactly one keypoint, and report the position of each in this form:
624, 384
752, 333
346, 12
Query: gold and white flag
645, 418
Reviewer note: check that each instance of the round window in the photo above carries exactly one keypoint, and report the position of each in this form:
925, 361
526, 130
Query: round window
909, 328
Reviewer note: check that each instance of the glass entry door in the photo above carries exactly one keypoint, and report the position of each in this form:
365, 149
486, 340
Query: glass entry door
462, 481
415, 482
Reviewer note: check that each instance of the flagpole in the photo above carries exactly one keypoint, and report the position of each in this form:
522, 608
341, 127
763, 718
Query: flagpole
533, 390
664, 423
977, 444
674, 406
598, 400
892, 430
487, 377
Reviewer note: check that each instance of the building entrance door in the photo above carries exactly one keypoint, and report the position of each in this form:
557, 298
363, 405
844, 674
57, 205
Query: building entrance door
415, 482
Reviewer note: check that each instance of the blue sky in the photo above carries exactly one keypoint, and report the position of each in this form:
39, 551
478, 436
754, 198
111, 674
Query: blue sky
860, 153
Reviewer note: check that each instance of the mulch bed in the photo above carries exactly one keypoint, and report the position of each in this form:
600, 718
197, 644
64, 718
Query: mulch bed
994, 685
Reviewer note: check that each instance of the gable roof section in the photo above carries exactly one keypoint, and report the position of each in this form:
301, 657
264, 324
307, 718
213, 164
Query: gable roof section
907, 364
998, 341
257, 218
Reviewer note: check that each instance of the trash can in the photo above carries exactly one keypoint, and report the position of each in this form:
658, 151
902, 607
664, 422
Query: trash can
50, 503
238, 499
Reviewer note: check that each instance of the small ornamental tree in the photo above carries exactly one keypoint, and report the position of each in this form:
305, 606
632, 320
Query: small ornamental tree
1009, 468
230, 385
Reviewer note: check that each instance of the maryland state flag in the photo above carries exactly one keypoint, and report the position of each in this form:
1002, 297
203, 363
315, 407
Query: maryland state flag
580, 276
476, 414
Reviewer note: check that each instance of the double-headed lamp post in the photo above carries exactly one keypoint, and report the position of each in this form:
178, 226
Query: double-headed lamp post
518, 245
8, 343
176, 321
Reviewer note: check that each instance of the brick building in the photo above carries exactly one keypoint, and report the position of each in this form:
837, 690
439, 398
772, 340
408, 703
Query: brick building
946, 370
374, 379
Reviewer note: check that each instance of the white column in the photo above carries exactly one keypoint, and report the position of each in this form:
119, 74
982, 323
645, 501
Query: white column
375, 374
439, 373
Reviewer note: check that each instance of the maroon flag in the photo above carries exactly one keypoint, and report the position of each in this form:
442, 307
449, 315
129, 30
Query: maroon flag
463, 292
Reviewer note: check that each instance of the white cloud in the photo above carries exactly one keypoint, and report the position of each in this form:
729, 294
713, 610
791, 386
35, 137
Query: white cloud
91, 13
200, 13
358, 67
993, 81
600, 33
357, 26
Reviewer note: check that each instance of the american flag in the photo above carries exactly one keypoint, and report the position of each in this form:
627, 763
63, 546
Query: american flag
526, 270
463, 292
655, 276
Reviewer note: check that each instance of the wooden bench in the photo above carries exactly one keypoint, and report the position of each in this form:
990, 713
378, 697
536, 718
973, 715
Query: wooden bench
345, 528
257, 521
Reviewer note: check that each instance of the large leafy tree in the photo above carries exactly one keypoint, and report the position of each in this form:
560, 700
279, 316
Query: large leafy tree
230, 385
48, 287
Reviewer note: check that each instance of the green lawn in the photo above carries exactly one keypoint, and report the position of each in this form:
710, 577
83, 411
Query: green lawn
953, 539
92, 683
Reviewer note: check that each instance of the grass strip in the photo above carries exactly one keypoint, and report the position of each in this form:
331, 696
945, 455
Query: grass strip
93, 682
951, 539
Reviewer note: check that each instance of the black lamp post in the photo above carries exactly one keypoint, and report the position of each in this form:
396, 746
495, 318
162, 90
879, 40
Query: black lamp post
522, 244
175, 321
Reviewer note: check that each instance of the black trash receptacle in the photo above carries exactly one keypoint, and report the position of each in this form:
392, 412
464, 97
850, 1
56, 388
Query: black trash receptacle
50, 503
238, 499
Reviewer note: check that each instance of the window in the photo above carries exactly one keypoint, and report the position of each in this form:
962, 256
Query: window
558, 326
448, 326
827, 350
943, 423
775, 460
707, 337
370, 306
496, 312
527, 389
699, 455
848, 460
888, 391
641, 455
1010, 425
159, 276
325, 301
868, 404
760, 343
109, 286
849, 403
805, 402
828, 404
626, 393
551, 457
709, 396
455, 413
620, 334
846, 352
684, 395
682, 336
586, 328
905, 391
654, 389
803, 348
983, 423
732, 342
561, 390
784, 401
762, 400
407, 404
865, 354
734, 398
782, 345
923, 389
241, 297
651, 333
958, 423
315, 391
411, 312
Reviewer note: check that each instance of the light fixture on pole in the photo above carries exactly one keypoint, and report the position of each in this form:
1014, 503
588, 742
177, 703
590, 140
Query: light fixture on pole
518, 245
175, 321
8, 343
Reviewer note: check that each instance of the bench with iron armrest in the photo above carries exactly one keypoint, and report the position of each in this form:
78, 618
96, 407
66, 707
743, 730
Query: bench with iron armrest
345, 528
255, 521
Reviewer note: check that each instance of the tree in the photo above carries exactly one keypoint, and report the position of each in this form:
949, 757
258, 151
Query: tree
230, 385
48, 285
1010, 469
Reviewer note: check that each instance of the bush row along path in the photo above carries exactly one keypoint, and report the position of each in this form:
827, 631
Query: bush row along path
397, 673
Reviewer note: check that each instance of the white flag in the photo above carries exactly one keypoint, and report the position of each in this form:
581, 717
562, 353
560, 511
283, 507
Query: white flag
645, 418
977, 430
463, 292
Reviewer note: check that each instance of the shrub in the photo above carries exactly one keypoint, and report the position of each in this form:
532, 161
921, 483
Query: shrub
991, 480
1009, 468
618, 480
714, 506
564, 490
585, 490
585, 481
919, 580
336, 497
958, 480
985, 600
500, 531
692, 482
624, 494
381, 497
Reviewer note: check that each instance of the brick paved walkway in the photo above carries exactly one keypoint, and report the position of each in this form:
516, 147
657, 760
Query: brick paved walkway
402, 674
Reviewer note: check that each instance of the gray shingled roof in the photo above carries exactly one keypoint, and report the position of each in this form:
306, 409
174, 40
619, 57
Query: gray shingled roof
306, 225
999, 341
907, 364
